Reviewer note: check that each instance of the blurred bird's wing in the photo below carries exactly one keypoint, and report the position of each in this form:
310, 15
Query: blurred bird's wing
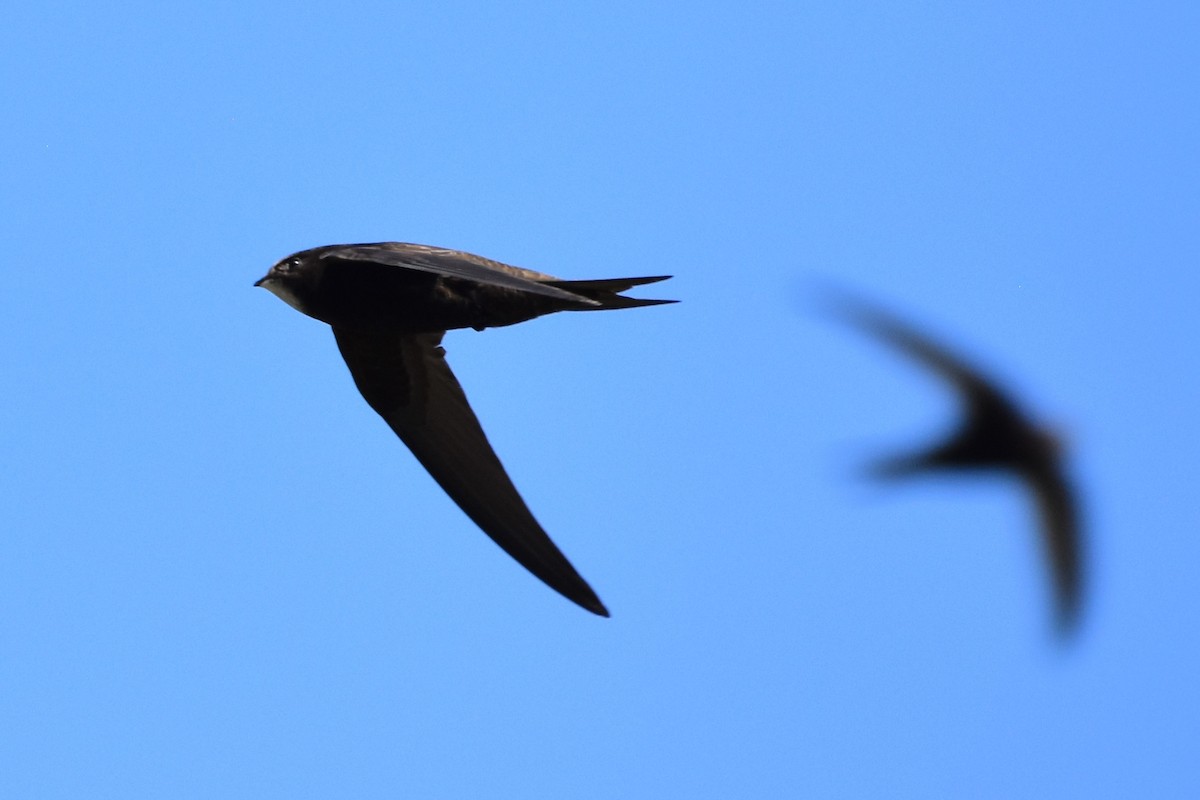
406, 379
454, 264
1060, 537
983, 398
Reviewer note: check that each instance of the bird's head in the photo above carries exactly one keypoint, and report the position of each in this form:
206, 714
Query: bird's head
291, 280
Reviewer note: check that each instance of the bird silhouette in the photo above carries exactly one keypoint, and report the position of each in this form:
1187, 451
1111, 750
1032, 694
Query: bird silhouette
389, 305
995, 435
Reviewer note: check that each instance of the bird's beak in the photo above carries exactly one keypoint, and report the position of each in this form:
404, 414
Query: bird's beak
261, 281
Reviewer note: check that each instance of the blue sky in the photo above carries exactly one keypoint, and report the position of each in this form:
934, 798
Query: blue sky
221, 576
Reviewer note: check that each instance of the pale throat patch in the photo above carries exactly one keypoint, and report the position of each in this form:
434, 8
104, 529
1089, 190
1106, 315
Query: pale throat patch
284, 293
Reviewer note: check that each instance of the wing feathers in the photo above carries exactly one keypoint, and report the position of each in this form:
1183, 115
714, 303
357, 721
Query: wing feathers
406, 379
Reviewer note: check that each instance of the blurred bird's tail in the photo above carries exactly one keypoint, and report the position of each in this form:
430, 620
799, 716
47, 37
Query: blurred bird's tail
606, 292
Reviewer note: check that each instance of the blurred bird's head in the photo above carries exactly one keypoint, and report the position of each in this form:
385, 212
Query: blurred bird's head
910, 464
968, 450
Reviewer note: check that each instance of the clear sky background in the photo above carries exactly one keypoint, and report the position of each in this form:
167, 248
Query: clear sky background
222, 576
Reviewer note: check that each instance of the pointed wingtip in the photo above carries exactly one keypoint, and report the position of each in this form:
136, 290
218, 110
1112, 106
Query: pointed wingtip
599, 610
841, 303
1068, 613
1065, 627
586, 599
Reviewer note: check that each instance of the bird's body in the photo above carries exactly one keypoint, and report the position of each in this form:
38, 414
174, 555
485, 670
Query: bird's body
389, 305
995, 436
411, 288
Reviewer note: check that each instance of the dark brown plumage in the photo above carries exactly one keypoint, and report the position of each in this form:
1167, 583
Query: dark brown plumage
389, 305
995, 435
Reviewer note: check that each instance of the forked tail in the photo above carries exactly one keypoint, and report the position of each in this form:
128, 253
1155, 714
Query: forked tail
606, 292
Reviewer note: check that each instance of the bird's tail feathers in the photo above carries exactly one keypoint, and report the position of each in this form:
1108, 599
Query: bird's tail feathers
606, 292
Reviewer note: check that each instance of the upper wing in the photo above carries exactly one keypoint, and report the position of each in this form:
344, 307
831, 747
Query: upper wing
406, 379
984, 398
1060, 537
454, 264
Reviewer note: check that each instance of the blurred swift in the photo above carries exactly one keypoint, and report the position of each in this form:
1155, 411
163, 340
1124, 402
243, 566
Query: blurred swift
995, 435
389, 305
